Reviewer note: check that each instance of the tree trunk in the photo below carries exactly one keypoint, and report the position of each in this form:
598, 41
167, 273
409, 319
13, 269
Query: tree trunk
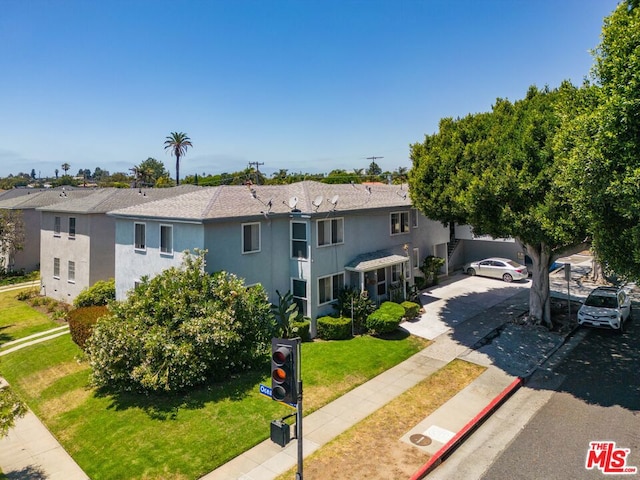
539, 294
177, 169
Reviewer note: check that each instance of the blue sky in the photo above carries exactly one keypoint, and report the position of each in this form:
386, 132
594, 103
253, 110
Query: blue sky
307, 86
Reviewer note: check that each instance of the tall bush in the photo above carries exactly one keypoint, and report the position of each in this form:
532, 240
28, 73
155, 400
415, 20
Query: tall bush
352, 301
81, 322
180, 329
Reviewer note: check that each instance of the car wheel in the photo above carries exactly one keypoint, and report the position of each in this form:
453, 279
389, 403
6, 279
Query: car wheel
471, 271
507, 277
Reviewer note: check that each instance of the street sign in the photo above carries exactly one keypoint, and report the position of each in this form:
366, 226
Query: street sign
264, 390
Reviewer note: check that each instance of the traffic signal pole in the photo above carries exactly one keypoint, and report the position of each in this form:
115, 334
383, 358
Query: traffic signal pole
299, 430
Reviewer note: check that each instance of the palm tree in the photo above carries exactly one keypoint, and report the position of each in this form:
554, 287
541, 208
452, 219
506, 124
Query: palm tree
177, 142
66, 167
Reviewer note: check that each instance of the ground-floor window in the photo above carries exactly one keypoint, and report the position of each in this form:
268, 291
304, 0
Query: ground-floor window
299, 289
329, 288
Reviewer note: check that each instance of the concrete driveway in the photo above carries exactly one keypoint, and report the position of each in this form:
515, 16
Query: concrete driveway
457, 299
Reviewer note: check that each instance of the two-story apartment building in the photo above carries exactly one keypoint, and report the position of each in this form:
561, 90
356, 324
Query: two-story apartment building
309, 238
25, 202
77, 238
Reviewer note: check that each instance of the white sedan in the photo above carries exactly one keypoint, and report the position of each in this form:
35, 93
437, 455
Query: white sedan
503, 268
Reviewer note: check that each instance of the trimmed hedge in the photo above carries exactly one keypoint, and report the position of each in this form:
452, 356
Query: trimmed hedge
411, 309
81, 323
303, 329
386, 319
331, 328
100, 293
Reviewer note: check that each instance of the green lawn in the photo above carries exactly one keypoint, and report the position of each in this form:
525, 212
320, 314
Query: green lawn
19, 320
184, 436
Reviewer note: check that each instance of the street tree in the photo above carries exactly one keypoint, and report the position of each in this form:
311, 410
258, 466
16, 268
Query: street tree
601, 141
11, 408
496, 171
177, 143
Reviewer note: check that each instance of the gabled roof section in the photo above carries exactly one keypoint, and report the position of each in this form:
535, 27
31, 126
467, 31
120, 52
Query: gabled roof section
43, 198
106, 199
237, 201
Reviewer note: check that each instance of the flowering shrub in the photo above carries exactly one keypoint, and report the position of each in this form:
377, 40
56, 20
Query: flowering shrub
100, 293
180, 329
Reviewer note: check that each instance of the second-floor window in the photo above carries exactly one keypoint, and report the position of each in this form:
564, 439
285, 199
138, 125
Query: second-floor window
250, 237
299, 288
72, 226
298, 240
166, 239
329, 288
56, 226
330, 232
140, 241
399, 223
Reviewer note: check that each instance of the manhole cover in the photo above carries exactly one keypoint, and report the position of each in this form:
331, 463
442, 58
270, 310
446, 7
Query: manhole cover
420, 439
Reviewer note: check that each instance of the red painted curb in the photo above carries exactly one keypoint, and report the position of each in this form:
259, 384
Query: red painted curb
452, 444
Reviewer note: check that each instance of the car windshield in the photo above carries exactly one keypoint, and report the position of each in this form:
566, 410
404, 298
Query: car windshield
601, 301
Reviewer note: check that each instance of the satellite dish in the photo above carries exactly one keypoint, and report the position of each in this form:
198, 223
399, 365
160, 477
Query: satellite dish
317, 201
293, 201
334, 200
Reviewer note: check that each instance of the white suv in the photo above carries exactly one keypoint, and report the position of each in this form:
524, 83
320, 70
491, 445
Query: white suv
608, 307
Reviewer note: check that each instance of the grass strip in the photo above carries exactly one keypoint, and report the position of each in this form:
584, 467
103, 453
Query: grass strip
372, 448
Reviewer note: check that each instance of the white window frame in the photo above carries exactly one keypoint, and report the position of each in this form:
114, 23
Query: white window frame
56, 268
305, 255
333, 296
333, 228
57, 221
162, 248
136, 246
253, 248
72, 231
396, 272
401, 222
71, 271
415, 259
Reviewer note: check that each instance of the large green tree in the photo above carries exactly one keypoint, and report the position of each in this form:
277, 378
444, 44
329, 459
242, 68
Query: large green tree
497, 172
601, 140
149, 171
11, 408
177, 143
180, 329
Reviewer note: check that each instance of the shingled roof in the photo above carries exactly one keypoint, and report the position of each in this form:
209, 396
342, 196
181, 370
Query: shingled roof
106, 199
43, 198
236, 201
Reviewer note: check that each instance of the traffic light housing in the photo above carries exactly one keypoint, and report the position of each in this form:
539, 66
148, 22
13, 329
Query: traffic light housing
280, 432
284, 370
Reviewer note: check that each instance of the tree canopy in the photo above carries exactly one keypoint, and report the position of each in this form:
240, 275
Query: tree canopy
601, 142
497, 172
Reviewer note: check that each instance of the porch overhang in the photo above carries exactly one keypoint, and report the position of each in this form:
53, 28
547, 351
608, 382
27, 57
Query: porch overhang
374, 260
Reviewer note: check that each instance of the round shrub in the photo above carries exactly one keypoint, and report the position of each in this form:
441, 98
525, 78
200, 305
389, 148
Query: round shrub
411, 309
331, 328
303, 329
100, 293
386, 319
81, 323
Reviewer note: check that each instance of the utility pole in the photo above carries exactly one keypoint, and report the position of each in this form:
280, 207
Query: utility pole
257, 164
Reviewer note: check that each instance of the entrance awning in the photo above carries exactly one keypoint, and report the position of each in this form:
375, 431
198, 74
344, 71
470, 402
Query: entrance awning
375, 260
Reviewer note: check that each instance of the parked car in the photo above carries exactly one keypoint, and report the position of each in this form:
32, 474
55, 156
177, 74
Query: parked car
606, 307
503, 268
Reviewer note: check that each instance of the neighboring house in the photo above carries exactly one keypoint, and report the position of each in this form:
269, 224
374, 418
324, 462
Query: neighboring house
77, 238
309, 238
27, 201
